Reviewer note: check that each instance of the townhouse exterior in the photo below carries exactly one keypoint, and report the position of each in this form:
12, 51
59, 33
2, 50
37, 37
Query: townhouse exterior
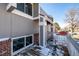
46, 25
21, 26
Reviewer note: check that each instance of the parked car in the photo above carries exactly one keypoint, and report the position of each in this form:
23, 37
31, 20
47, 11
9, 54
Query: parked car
75, 33
62, 33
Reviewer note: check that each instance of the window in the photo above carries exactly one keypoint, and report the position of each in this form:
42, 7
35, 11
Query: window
18, 44
28, 40
25, 7
20, 6
21, 42
41, 19
28, 8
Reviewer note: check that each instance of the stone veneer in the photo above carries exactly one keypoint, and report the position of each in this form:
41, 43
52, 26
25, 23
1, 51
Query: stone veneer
5, 48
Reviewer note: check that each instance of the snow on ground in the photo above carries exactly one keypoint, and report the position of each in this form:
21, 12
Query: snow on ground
44, 51
49, 52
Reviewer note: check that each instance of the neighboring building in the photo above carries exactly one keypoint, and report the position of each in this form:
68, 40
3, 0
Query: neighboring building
56, 27
55, 30
46, 27
21, 26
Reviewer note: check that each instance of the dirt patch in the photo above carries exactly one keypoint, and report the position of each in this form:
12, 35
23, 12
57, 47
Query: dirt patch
66, 53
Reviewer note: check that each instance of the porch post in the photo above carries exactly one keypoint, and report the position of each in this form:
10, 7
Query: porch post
42, 31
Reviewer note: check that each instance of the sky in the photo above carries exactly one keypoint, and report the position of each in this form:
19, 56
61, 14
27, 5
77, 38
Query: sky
58, 11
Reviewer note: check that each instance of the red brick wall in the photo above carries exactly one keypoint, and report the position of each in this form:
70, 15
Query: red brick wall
5, 48
36, 38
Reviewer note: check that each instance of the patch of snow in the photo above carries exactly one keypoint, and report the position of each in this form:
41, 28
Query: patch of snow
45, 51
60, 52
29, 54
48, 52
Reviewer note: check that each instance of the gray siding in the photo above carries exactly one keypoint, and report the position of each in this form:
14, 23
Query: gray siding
4, 21
41, 35
42, 12
21, 26
14, 25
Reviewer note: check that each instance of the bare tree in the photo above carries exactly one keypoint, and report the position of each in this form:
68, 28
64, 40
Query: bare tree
72, 17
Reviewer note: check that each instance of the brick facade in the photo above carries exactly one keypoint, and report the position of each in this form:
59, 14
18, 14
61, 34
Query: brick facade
36, 38
5, 48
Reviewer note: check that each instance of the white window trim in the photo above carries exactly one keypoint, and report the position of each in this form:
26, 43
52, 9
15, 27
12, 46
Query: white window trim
43, 24
18, 12
14, 53
11, 4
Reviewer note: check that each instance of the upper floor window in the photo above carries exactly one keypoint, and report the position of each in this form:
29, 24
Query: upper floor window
20, 6
25, 7
41, 19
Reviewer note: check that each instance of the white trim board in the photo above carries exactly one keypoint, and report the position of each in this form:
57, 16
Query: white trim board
4, 39
43, 24
13, 53
20, 13
17, 12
